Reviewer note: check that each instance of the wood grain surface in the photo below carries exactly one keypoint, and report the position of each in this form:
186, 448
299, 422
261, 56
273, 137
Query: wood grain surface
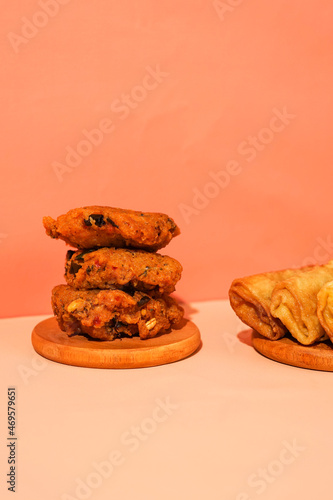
79, 350
286, 350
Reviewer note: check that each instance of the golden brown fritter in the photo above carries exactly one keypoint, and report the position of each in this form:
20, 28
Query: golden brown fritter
120, 267
110, 314
95, 226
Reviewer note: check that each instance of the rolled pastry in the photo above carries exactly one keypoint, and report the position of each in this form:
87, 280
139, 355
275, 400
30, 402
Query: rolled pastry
250, 298
325, 308
294, 302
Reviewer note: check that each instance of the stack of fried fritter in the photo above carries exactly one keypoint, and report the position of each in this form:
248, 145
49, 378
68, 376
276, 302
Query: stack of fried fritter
117, 285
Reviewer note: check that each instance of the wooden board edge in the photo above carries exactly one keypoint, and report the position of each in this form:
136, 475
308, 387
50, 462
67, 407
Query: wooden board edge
159, 355
293, 355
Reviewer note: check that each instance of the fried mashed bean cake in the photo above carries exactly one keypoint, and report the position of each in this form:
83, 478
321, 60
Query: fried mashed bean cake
118, 267
96, 226
111, 314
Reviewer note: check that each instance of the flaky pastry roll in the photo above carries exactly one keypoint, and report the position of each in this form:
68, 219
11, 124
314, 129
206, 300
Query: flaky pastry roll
294, 302
250, 298
325, 308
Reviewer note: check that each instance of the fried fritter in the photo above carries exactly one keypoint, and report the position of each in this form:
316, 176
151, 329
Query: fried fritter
111, 314
96, 226
120, 267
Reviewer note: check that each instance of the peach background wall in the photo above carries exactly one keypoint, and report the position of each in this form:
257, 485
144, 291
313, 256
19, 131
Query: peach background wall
217, 113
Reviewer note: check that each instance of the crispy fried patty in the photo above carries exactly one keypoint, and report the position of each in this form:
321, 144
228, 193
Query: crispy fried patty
120, 267
110, 314
95, 226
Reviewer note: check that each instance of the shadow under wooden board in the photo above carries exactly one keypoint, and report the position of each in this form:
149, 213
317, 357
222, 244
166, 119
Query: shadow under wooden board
79, 350
288, 351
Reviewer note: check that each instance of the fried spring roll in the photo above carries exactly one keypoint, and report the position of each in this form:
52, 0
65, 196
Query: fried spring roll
294, 302
325, 308
250, 298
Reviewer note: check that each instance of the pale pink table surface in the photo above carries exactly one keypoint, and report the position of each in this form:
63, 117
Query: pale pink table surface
225, 423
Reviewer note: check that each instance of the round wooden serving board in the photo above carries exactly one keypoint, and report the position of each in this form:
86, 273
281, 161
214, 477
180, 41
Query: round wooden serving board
78, 350
288, 351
